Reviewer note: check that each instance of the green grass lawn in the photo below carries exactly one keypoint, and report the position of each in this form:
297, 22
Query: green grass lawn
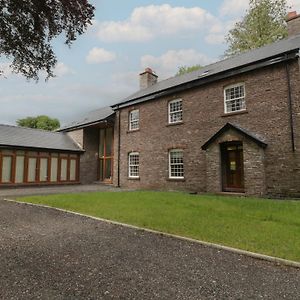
270, 227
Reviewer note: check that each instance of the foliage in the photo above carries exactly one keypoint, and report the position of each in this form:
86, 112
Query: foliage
261, 225
264, 23
184, 69
27, 28
39, 122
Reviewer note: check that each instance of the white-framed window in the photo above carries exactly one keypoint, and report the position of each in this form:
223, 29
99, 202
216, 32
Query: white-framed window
175, 111
234, 98
134, 120
176, 168
134, 165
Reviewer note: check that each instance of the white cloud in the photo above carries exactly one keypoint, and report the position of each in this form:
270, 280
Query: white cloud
234, 7
167, 64
100, 55
61, 69
294, 5
148, 22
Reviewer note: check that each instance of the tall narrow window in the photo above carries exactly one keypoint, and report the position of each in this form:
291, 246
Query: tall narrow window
54, 167
43, 169
234, 98
134, 120
63, 169
73, 169
134, 165
175, 111
20, 160
6, 169
31, 169
176, 168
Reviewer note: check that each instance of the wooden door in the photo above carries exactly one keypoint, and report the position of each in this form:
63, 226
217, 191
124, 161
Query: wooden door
232, 167
106, 155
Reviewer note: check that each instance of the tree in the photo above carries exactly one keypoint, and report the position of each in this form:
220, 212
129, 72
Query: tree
184, 69
264, 23
39, 122
27, 28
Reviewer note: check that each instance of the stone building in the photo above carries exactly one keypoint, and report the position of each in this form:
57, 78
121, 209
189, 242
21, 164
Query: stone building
232, 126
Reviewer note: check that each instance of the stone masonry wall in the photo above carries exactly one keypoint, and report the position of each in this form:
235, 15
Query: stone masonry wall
267, 115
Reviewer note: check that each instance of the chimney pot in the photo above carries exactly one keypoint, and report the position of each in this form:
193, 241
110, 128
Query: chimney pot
293, 23
147, 78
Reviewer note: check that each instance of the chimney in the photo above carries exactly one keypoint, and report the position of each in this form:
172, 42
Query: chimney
293, 23
147, 78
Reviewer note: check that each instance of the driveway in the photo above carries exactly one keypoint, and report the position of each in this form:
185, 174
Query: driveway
48, 254
63, 189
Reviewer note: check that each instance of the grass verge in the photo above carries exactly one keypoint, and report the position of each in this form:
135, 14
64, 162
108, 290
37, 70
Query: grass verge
270, 227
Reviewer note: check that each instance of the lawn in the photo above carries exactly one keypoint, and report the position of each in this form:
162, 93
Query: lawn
265, 226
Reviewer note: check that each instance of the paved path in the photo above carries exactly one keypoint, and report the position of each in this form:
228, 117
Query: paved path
78, 188
47, 254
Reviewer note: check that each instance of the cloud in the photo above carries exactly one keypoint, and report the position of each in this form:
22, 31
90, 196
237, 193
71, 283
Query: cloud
146, 23
167, 64
61, 69
233, 7
100, 55
294, 5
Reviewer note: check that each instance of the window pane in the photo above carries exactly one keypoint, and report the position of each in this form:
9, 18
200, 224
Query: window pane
73, 169
109, 137
20, 169
43, 169
6, 169
63, 170
101, 143
134, 119
235, 98
32, 169
108, 169
176, 164
54, 163
134, 165
175, 111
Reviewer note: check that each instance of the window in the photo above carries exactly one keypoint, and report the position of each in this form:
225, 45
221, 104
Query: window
234, 98
175, 111
176, 169
134, 165
63, 169
6, 169
134, 120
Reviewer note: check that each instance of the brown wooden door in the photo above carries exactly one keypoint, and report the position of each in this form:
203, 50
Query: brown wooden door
106, 155
232, 167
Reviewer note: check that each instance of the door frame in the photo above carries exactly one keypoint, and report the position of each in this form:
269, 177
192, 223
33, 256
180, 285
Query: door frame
225, 169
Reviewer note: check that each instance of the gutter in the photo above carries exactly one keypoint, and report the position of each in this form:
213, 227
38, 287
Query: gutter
119, 146
208, 79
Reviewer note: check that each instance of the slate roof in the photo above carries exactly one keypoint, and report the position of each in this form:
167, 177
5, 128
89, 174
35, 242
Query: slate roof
255, 138
22, 137
90, 118
268, 52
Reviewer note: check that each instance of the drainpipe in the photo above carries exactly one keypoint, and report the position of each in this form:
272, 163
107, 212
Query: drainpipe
119, 145
290, 105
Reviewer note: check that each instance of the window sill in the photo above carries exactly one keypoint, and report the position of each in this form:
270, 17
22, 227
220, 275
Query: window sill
174, 124
176, 179
133, 130
134, 178
240, 112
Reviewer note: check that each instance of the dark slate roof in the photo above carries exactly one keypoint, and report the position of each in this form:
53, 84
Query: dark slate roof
90, 118
255, 138
254, 56
21, 137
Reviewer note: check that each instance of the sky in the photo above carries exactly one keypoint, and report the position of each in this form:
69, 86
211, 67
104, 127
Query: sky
102, 66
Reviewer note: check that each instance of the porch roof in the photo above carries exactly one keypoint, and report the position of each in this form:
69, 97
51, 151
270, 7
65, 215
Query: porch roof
253, 137
94, 117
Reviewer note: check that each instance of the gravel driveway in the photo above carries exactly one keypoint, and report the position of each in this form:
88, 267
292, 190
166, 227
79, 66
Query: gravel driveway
47, 254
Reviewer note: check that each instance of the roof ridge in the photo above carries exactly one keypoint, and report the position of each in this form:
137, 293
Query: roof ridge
28, 128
